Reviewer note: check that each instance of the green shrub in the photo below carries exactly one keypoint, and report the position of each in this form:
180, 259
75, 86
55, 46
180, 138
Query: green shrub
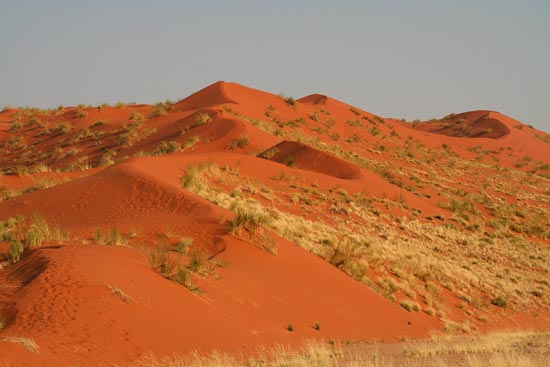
184, 277
15, 127
111, 237
162, 109
15, 250
34, 238
198, 261
499, 302
191, 141
81, 113
355, 112
117, 238
355, 123
268, 154
194, 176
63, 128
410, 306
289, 161
159, 259
100, 237
183, 245
128, 136
249, 219
166, 147
137, 116
315, 116
345, 254
202, 118
39, 230
239, 143
107, 158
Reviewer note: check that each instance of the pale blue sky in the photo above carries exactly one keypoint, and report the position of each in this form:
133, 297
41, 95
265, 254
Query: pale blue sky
410, 59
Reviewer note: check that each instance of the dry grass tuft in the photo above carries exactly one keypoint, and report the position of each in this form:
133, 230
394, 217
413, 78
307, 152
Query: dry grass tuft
120, 294
26, 343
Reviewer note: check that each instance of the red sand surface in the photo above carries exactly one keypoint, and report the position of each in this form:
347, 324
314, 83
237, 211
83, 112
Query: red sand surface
59, 294
79, 320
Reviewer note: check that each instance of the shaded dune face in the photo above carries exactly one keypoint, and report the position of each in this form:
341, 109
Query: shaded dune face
310, 159
314, 99
224, 132
475, 124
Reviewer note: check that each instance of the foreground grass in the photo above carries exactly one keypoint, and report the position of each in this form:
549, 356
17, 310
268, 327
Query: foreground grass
496, 349
26, 233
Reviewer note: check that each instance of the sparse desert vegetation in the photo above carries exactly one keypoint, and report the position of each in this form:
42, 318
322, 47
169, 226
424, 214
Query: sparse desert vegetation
27, 343
256, 220
498, 349
120, 294
359, 251
22, 233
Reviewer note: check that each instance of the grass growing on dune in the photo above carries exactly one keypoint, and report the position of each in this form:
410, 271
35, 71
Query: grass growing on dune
27, 343
253, 220
111, 237
494, 350
240, 142
120, 294
194, 176
171, 265
14, 251
26, 233
421, 259
248, 218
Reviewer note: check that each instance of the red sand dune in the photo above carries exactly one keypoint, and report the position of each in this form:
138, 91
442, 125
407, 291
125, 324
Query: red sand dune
252, 304
474, 124
315, 99
79, 320
221, 93
59, 295
222, 132
210, 96
493, 130
332, 104
126, 197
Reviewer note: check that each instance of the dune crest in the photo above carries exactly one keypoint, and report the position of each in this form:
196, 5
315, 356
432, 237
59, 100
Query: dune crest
473, 124
213, 95
314, 99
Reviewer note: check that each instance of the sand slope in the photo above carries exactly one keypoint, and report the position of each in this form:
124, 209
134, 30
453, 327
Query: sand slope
79, 320
126, 173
